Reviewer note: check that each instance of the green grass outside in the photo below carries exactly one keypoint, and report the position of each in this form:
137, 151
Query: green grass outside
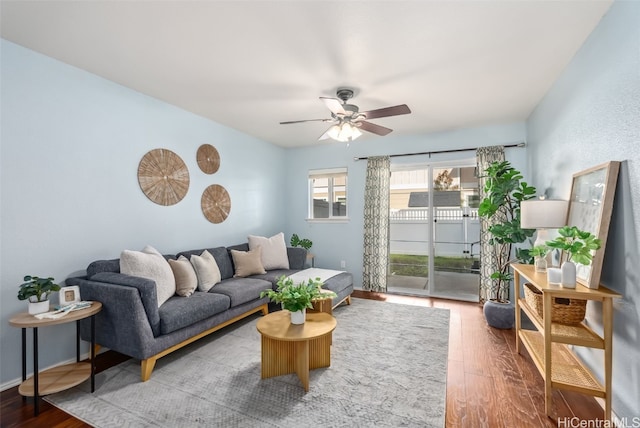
412, 265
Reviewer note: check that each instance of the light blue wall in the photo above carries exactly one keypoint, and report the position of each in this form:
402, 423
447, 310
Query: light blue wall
591, 116
71, 144
333, 242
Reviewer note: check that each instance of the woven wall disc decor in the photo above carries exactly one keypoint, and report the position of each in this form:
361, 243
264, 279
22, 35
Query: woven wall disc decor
216, 203
163, 177
208, 158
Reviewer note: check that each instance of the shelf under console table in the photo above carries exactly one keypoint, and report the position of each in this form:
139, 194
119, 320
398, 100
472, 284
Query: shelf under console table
548, 345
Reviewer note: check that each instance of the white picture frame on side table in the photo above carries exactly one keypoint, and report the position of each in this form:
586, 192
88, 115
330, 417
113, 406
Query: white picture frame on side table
69, 295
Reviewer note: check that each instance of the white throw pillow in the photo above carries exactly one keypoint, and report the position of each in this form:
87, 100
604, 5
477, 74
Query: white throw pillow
186, 279
207, 270
274, 251
150, 264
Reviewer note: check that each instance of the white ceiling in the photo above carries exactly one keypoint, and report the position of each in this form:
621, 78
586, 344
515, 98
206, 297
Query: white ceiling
251, 64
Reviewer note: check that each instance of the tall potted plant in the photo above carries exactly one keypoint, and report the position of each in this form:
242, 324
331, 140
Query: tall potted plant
504, 191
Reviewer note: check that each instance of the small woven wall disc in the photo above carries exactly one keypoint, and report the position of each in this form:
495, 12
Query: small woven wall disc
163, 177
216, 203
208, 159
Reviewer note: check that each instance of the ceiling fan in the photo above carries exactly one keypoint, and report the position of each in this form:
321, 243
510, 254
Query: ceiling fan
348, 120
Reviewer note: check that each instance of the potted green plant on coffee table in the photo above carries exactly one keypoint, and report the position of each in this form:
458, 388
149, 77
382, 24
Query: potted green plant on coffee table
296, 298
37, 291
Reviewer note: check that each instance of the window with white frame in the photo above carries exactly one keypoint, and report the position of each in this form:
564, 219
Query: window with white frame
328, 194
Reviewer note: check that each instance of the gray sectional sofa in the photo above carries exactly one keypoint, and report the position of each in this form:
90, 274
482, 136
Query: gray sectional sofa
131, 322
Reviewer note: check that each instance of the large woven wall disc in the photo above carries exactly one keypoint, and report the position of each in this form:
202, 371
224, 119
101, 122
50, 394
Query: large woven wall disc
163, 177
208, 158
216, 203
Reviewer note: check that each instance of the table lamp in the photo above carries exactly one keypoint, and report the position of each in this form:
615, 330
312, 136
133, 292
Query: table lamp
543, 214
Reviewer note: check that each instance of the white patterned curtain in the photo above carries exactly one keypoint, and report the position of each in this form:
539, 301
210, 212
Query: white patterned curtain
376, 224
485, 156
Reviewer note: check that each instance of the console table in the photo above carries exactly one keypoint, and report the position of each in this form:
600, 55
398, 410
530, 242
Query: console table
547, 346
58, 378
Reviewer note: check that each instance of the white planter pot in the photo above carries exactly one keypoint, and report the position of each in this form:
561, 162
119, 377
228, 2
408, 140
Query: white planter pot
540, 264
38, 307
298, 317
568, 275
554, 275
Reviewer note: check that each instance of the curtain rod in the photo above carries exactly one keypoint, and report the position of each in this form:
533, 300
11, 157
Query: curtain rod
506, 146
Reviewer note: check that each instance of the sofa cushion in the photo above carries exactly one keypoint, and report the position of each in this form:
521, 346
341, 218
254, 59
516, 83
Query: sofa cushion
297, 257
206, 270
179, 312
248, 262
274, 251
150, 264
239, 247
186, 279
339, 283
241, 290
274, 275
222, 256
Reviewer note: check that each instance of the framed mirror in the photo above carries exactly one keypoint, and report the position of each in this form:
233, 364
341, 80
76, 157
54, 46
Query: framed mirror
590, 206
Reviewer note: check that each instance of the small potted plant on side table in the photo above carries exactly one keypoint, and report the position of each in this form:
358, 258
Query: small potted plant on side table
37, 291
296, 298
578, 244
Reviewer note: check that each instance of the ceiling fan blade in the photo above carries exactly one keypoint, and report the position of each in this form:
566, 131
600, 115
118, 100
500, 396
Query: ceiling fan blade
387, 111
334, 105
308, 120
325, 136
373, 128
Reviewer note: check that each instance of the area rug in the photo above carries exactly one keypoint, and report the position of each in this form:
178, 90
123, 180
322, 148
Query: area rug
388, 368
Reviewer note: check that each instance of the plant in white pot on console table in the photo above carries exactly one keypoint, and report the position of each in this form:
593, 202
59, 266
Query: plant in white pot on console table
37, 291
578, 244
296, 298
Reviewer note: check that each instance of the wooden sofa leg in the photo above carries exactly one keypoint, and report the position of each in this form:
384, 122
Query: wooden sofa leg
147, 368
348, 299
265, 309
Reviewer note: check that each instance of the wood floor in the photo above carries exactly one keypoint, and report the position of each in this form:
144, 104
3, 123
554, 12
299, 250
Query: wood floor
488, 384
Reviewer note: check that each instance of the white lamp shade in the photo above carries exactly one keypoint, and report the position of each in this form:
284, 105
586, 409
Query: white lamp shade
543, 213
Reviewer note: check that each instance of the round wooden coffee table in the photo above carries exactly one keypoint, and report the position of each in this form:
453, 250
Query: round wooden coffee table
289, 348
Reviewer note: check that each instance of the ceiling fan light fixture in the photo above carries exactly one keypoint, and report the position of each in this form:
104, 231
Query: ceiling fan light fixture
344, 132
349, 122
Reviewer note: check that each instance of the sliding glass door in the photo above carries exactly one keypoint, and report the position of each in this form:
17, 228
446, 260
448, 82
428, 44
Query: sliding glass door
434, 231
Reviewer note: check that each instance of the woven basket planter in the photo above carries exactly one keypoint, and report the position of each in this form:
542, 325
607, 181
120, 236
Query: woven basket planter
563, 311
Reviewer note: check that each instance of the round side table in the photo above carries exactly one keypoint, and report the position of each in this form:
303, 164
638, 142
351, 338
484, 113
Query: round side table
62, 377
